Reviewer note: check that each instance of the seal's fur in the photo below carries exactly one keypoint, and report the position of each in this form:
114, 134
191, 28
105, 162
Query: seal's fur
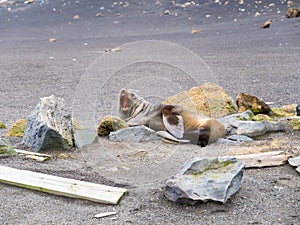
137, 111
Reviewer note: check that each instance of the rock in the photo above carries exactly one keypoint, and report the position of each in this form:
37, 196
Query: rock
231, 122
205, 179
266, 24
251, 128
49, 126
240, 138
2, 126
246, 101
294, 123
295, 162
110, 123
273, 126
284, 111
298, 110
17, 129
254, 129
135, 134
207, 99
293, 13
85, 137
6, 149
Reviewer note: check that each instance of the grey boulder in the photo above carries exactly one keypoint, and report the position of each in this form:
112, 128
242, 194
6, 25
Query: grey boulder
135, 134
49, 126
205, 179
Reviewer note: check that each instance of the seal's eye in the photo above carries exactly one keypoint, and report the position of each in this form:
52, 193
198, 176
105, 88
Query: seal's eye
133, 96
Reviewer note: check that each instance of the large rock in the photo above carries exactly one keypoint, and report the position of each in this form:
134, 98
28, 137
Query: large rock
135, 134
49, 126
204, 179
17, 129
207, 99
109, 124
6, 149
246, 101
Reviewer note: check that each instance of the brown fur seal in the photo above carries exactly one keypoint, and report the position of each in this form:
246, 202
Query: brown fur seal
172, 118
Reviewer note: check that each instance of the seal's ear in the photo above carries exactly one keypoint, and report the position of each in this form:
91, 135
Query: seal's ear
173, 121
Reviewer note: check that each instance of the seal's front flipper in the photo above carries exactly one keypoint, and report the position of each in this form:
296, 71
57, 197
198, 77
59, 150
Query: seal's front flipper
168, 136
172, 121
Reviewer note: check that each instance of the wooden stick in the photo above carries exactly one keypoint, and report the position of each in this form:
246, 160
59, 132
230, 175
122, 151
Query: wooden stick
61, 186
264, 159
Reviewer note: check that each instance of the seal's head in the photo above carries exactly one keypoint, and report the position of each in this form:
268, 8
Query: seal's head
129, 102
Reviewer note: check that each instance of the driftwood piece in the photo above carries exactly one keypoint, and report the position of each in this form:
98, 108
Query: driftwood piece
33, 155
61, 186
264, 159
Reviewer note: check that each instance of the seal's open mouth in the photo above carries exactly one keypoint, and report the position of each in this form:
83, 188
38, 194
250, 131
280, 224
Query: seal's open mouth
124, 103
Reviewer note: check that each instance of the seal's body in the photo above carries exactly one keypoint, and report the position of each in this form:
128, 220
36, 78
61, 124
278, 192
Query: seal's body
172, 118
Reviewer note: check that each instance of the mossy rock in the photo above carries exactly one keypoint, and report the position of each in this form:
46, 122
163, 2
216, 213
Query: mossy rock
246, 101
294, 123
2, 126
17, 129
261, 117
6, 149
109, 124
208, 99
284, 111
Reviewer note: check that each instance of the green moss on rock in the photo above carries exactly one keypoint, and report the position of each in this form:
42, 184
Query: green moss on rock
2, 126
6, 149
17, 129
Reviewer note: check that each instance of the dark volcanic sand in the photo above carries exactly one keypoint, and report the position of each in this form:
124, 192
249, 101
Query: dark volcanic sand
241, 56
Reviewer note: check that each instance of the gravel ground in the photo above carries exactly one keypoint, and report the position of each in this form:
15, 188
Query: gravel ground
234, 52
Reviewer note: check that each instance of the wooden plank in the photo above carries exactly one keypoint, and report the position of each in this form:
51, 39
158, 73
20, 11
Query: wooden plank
19, 151
61, 186
264, 159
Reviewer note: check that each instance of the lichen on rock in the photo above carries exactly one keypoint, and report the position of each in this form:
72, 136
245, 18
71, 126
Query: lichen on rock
2, 126
17, 129
257, 106
207, 99
284, 111
109, 124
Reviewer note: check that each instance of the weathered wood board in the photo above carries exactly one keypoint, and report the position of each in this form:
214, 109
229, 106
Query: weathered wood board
264, 159
61, 186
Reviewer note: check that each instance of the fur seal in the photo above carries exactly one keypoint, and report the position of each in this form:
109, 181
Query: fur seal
174, 119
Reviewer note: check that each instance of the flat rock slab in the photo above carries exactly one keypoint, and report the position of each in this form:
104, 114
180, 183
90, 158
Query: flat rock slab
135, 134
205, 179
84, 137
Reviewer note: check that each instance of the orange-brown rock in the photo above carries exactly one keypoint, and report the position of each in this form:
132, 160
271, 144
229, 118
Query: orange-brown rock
110, 123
